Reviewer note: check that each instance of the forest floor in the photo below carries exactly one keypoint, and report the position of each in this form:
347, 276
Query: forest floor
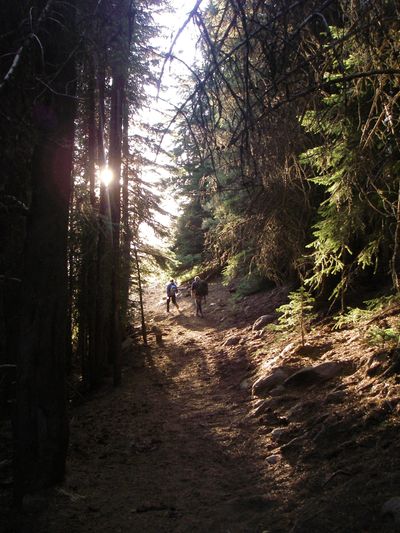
184, 446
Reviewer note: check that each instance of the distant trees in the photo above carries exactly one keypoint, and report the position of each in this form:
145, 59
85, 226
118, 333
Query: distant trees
295, 109
186, 185
71, 81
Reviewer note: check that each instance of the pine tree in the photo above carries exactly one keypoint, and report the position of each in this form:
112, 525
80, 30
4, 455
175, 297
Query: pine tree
297, 315
355, 164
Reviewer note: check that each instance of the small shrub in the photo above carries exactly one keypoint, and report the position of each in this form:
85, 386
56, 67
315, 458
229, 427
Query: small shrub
234, 267
251, 284
352, 317
355, 316
384, 337
297, 314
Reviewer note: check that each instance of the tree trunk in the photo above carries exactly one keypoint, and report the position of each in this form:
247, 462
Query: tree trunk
143, 320
98, 355
126, 259
395, 262
41, 424
68, 343
91, 370
92, 285
115, 207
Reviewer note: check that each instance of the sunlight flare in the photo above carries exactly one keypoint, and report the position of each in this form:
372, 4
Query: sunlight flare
106, 176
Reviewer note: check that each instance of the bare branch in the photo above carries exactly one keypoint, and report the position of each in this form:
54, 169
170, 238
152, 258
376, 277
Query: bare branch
181, 29
32, 36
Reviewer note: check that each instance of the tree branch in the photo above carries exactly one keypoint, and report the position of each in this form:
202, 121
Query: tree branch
32, 36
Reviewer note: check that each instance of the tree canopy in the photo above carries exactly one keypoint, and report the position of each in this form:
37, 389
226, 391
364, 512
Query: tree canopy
294, 140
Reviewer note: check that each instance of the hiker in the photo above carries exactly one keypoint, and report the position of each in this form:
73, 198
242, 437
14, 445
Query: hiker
172, 291
199, 291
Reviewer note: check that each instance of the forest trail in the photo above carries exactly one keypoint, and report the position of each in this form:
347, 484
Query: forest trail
173, 448
183, 446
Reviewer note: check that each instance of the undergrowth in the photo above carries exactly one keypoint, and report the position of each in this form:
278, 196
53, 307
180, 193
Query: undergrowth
297, 314
384, 336
251, 284
355, 316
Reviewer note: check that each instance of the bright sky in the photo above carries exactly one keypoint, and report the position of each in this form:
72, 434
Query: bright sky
160, 110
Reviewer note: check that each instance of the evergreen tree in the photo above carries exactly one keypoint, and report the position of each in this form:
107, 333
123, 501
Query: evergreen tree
356, 164
297, 315
67, 65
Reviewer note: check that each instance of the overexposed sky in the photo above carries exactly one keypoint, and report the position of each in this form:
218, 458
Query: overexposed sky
160, 109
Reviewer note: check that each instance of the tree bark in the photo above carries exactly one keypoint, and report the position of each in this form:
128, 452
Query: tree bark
98, 355
117, 96
41, 424
142, 316
395, 262
93, 245
87, 301
126, 256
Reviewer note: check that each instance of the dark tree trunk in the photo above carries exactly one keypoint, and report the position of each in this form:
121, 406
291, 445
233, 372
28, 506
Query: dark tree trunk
126, 259
93, 245
68, 340
86, 349
142, 316
395, 262
41, 424
117, 96
82, 322
98, 355
91, 118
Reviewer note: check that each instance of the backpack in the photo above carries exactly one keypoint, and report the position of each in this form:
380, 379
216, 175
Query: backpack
201, 288
171, 289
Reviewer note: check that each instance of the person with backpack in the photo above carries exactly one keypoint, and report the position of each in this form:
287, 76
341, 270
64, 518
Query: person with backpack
199, 291
172, 291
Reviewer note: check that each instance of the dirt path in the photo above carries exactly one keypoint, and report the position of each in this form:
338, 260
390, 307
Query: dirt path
173, 449
182, 446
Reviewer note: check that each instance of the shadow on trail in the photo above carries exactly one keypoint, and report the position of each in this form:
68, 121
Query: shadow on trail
168, 453
207, 468
338, 459
192, 323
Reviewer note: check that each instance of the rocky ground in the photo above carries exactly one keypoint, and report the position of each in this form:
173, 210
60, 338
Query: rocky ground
225, 427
